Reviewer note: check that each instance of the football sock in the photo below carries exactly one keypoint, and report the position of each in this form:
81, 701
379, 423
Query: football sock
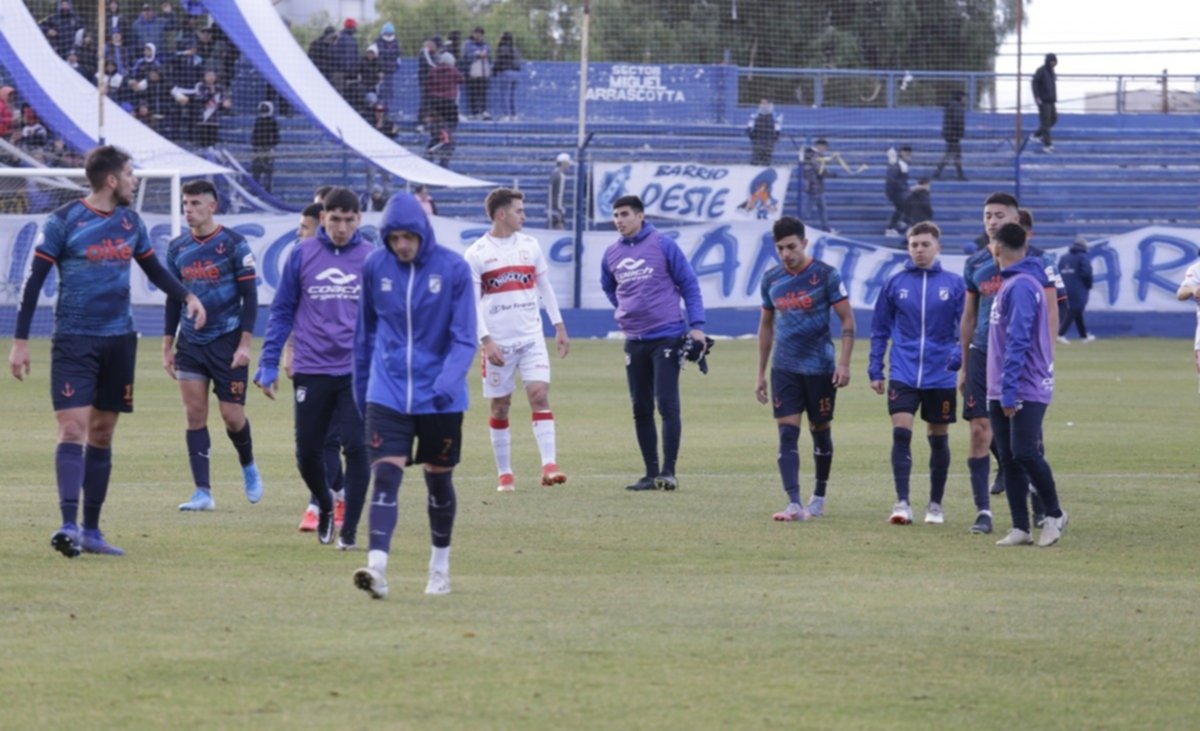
789, 460
68, 469
377, 560
97, 466
501, 445
198, 446
647, 439
980, 469
822, 459
439, 560
543, 433
243, 443
939, 466
901, 460
384, 510
442, 506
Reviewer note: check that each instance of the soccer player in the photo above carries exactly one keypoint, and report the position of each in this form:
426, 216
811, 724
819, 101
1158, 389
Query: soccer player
92, 242
797, 297
318, 297
983, 282
1020, 385
919, 312
645, 275
510, 275
1190, 290
412, 350
216, 264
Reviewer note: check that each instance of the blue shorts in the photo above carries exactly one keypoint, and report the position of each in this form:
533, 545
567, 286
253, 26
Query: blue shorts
795, 393
391, 434
937, 404
211, 361
975, 397
91, 370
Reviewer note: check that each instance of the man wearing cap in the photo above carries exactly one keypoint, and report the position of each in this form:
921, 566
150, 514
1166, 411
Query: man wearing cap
389, 60
556, 211
344, 56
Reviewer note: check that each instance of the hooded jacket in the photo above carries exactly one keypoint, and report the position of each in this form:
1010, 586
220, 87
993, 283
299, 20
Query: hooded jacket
415, 338
644, 276
919, 311
1045, 82
1076, 270
1020, 361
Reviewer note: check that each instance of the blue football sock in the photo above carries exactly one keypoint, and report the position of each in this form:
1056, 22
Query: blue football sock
939, 466
384, 510
68, 469
243, 443
822, 459
980, 469
442, 507
97, 466
901, 460
789, 460
198, 447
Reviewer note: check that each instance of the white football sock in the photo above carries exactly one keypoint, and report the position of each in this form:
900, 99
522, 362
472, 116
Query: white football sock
543, 432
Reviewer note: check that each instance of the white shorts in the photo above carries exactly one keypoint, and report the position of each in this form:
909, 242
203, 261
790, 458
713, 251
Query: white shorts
530, 357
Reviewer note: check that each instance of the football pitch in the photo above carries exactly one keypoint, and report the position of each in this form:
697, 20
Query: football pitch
585, 606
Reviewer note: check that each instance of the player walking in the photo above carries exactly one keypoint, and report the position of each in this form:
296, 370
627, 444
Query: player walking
92, 242
510, 275
216, 264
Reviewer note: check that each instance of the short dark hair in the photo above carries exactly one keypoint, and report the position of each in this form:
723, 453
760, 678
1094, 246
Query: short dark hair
319, 193
102, 162
1002, 199
925, 227
313, 210
340, 199
788, 226
923, 181
501, 198
906, 148
1026, 218
629, 201
199, 187
1011, 236
822, 141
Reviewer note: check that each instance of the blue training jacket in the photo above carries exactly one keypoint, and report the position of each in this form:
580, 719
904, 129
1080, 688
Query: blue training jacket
919, 311
415, 338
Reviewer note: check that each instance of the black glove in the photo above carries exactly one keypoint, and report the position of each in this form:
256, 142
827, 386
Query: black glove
695, 351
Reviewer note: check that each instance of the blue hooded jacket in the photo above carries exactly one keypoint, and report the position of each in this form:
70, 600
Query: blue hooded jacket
919, 311
1020, 357
415, 338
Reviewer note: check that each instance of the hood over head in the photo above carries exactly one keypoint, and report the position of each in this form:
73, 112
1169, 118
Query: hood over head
403, 212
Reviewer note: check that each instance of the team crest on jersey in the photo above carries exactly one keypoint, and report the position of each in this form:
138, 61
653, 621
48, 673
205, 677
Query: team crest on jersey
126, 224
524, 255
301, 394
902, 294
221, 248
248, 261
67, 390
435, 283
385, 285
815, 279
943, 293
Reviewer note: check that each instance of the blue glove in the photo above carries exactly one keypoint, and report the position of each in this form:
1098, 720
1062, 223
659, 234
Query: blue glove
266, 376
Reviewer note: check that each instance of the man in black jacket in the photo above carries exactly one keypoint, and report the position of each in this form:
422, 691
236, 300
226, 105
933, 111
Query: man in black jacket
954, 125
1045, 93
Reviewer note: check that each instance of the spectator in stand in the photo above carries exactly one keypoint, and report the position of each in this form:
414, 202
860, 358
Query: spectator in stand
896, 188
264, 138
1076, 269
173, 27
506, 72
453, 46
186, 66
320, 51
375, 200
85, 50
345, 59
1045, 93
918, 207
150, 83
389, 60
556, 210
763, 129
60, 28
6, 113
116, 21
478, 58
426, 62
421, 193
33, 134
148, 28
444, 82
367, 79
117, 52
118, 86
73, 61
145, 116
815, 172
209, 100
954, 128
383, 123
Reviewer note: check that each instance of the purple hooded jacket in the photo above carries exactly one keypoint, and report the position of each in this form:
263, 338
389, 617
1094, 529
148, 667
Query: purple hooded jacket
1020, 361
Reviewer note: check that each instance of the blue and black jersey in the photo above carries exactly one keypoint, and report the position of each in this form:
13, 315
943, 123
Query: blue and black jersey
802, 302
93, 251
212, 268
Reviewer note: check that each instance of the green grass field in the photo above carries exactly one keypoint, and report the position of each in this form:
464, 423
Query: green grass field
588, 607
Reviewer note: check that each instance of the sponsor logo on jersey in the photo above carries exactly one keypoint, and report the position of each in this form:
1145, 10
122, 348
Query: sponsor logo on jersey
794, 301
385, 284
509, 279
334, 284
200, 271
248, 261
631, 270
109, 250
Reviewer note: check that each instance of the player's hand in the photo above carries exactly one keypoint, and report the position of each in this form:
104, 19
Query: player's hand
696, 334
18, 359
1197, 361
841, 376
561, 340
962, 382
492, 352
241, 357
169, 363
266, 379
1010, 412
195, 310
760, 390
877, 387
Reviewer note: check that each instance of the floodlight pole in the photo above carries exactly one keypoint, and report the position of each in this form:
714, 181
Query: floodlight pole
1017, 123
101, 77
581, 169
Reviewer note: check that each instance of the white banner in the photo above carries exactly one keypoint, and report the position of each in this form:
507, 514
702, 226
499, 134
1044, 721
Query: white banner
692, 192
1134, 272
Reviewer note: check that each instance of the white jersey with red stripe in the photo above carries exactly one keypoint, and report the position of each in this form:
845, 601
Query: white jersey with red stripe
510, 278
